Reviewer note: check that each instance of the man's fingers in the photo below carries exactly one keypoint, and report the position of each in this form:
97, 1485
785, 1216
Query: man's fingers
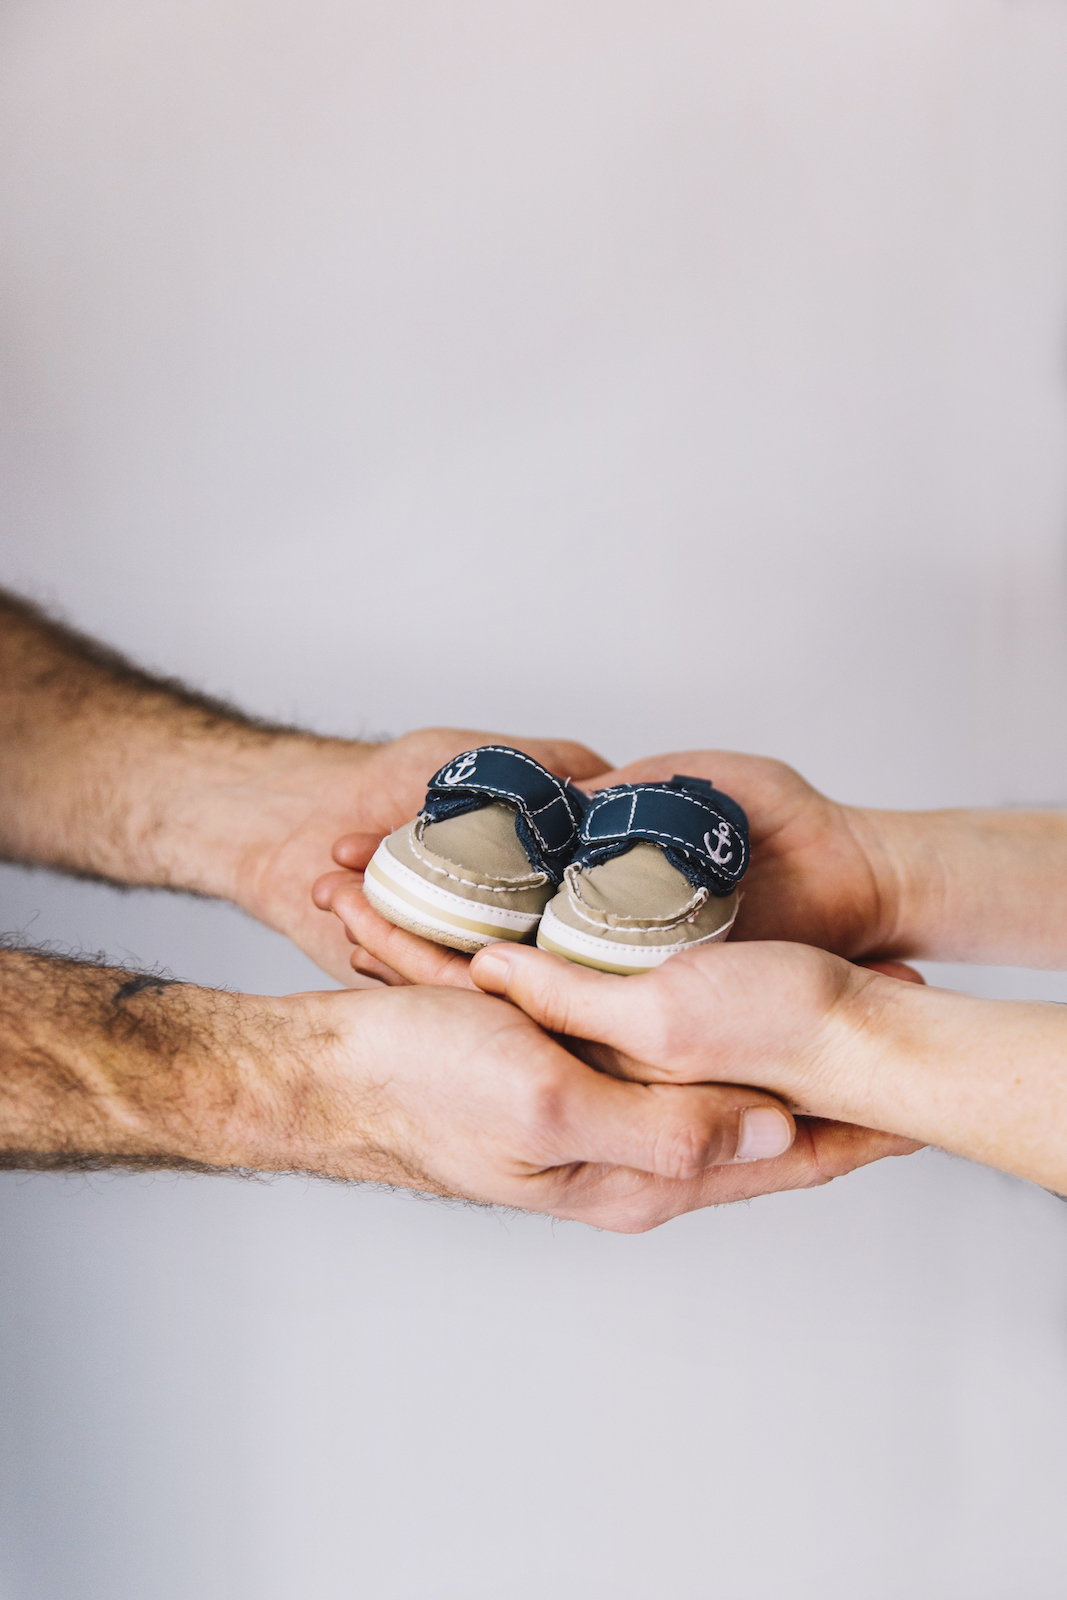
630, 1201
671, 1130
407, 958
354, 850
324, 888
368, 966
563, 996
561, 756
894, 969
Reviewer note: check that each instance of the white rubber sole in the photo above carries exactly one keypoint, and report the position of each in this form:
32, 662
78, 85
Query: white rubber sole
607, 955
410, 901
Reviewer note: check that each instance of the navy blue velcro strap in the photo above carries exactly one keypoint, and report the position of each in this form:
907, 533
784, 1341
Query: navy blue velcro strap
703, 833
547, 810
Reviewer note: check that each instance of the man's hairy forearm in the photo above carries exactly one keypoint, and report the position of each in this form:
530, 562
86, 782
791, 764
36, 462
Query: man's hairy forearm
102, 1067
109, 772
105, 1068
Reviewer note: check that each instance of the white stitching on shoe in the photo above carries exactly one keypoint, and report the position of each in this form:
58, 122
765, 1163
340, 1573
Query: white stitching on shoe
607, 947
659, 834
512, 794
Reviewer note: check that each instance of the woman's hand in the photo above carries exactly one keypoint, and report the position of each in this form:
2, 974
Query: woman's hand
459, 1094
986, 1079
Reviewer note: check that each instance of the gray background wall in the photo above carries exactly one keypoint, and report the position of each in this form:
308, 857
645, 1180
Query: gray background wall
659, 374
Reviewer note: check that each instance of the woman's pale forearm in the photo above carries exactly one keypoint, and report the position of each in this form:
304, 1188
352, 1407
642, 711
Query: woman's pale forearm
972, 885
982, 1078
985, 1079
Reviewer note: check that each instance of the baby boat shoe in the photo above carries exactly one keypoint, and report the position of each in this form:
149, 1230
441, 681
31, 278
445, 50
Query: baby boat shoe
484, 856
656, 871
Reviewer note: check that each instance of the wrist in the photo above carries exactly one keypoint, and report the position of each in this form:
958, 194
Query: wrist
195, 1077
236, 813
314, 1102
869, 1050
909, 880
972, 885
233, 1108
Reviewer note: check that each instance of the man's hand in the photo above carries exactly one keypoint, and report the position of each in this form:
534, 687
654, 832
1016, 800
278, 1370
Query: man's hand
314, 790
452, 1094
111, 773
458, 1095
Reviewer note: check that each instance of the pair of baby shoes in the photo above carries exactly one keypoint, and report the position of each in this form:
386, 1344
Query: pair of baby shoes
619, 881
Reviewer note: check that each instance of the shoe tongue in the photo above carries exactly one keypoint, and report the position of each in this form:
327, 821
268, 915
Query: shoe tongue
703, 833
484, 840
640, 885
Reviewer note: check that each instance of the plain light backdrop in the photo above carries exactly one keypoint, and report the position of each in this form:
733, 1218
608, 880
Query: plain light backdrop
659, 374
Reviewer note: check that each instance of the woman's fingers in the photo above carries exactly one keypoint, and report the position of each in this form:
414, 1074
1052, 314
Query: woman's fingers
563, 996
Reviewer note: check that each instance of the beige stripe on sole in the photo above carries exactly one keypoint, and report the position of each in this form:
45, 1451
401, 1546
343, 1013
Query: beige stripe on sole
389, 889
544, 943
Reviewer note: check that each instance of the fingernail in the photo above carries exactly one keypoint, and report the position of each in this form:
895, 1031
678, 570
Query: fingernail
764, 1133
490, 969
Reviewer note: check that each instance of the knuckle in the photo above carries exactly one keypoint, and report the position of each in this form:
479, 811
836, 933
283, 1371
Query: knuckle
345, 898
636, 1224
540, 1102
640, 1216
542, 991
685, 1151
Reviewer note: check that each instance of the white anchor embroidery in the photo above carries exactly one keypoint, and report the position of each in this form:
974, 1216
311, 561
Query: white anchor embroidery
460, 773
722, 834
